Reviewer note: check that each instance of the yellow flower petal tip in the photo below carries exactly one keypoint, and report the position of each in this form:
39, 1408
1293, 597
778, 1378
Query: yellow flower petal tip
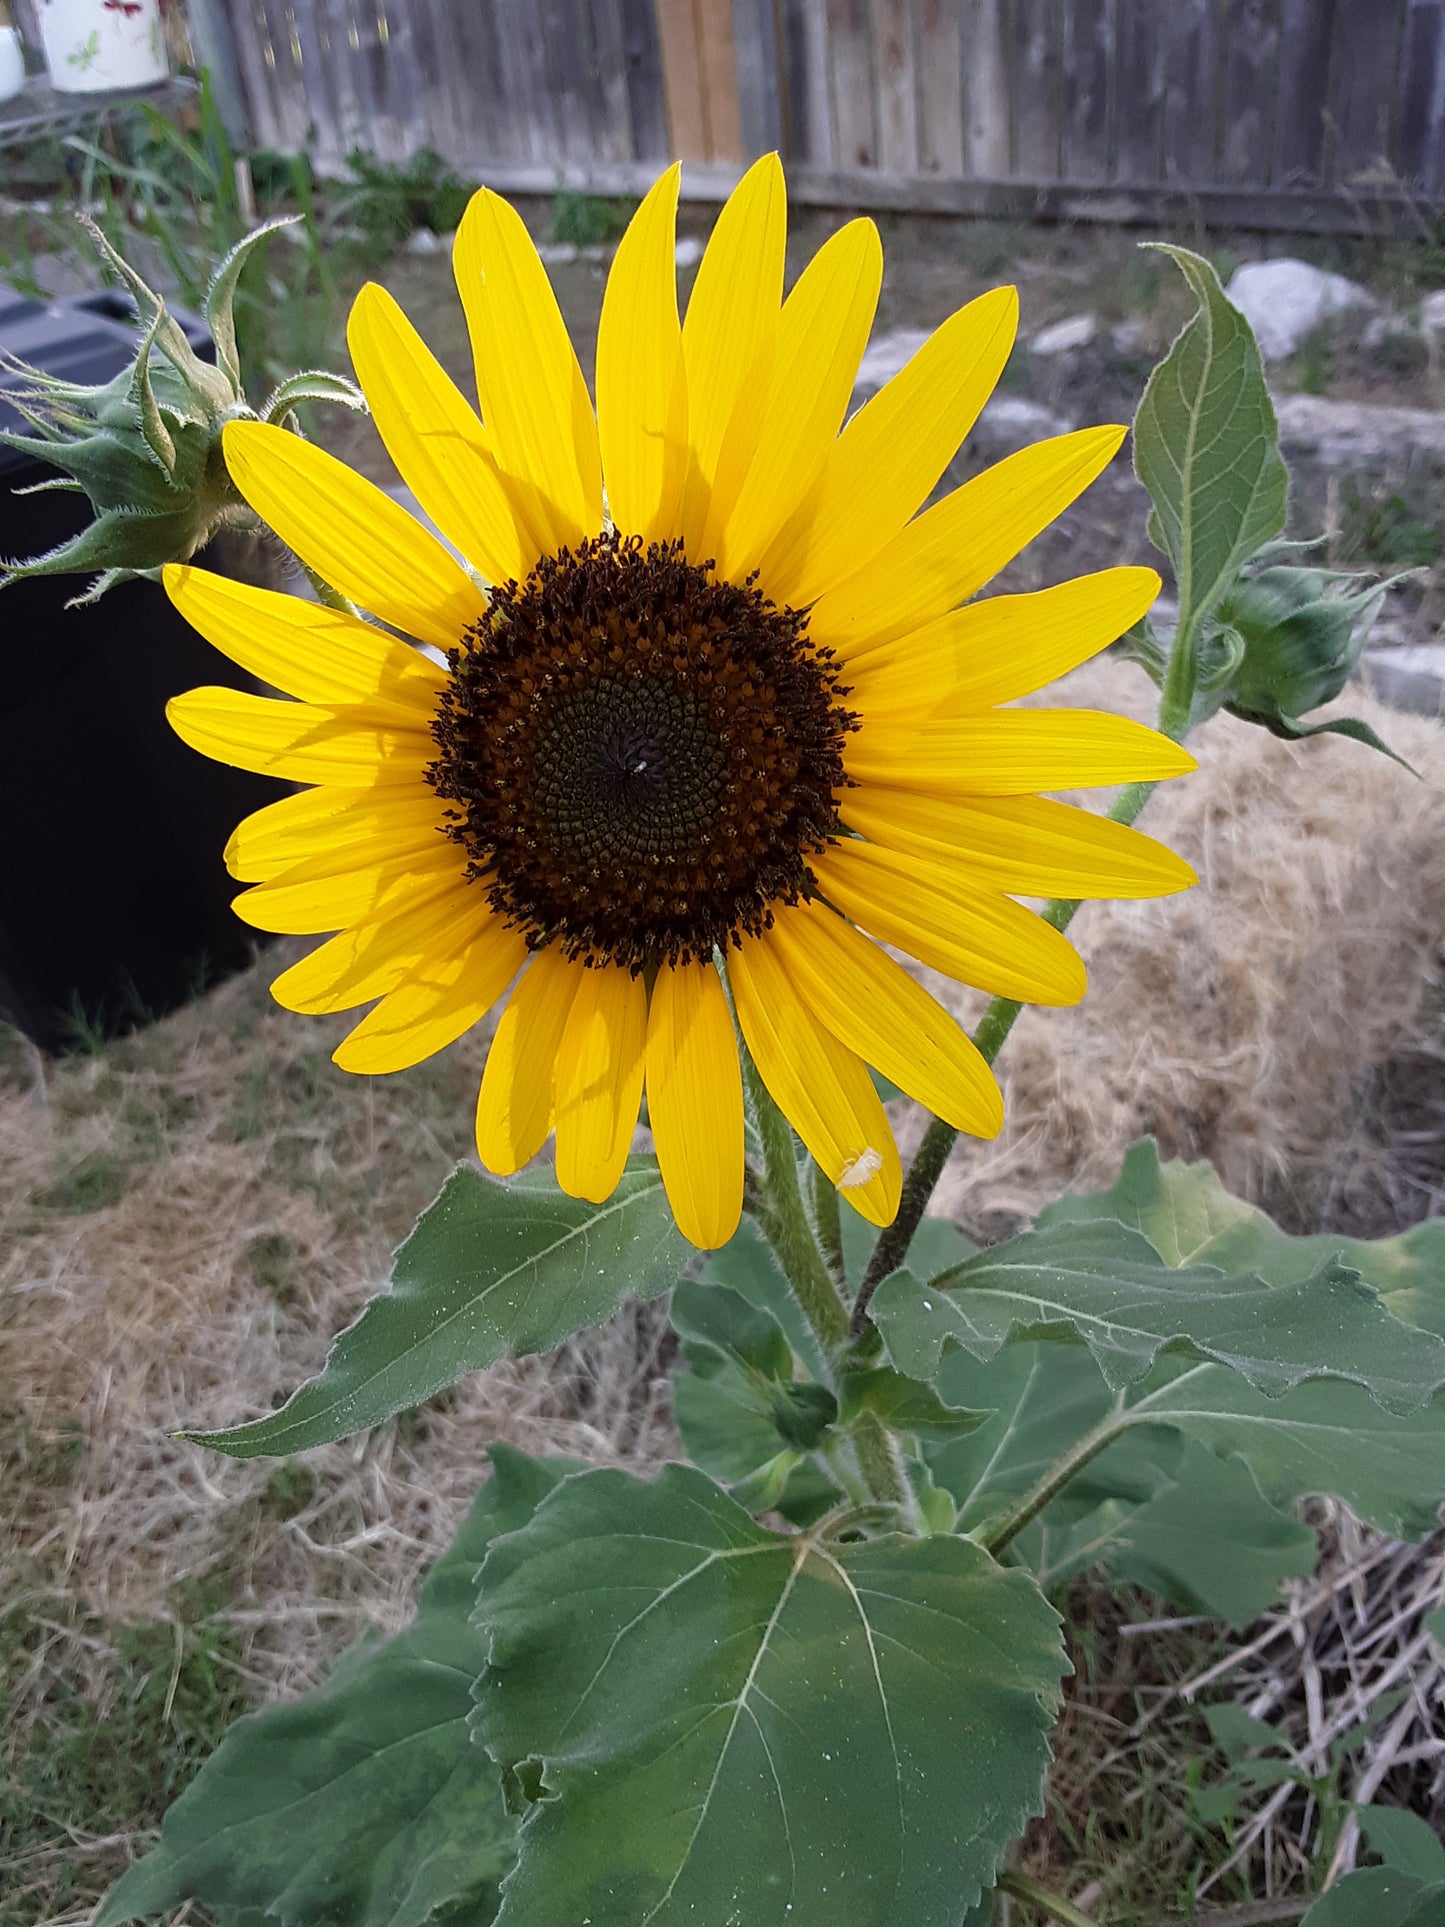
698, 787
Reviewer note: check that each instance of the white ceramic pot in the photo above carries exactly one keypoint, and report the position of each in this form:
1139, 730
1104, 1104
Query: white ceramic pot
12, 63
94, 45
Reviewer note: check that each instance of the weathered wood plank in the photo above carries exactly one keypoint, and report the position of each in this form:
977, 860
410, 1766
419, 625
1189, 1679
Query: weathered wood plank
940, 92
1369, 51
683, 79
807, 102
850, 48
755, 40
896, 80
718, 47
646, 90
1191, 99
1141, 51
1036, 90
985, 89
1305, 121
1251, 90
1418, 146
1088, 62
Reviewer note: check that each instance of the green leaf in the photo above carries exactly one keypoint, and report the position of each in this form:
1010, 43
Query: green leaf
746, 1264
908, 1405
1291, 730
1237, 1734
1206, 446
1379, 1897
1189, 1218
490, 1271
716, 1323
1322, 1439
1403, 1841
1434, 1624
365, 1801
738, 1726
1106, 1285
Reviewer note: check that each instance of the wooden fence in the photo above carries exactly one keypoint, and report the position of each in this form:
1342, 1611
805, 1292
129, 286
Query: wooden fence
1259, 112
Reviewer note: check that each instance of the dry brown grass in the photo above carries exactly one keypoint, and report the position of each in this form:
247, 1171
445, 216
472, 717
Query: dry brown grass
191, 1213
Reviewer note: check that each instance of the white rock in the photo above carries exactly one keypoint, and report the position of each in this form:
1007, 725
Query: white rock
1432, 315
1387, 327
1283, 301
885, 356
1354, 432
1128, 335
688, 251
1411, 676
557, 253
1011, 420
423, 241
1060, 337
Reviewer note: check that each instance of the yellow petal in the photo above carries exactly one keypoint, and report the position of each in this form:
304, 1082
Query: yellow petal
960, 543
928, 910
819, 1085
339, 824
535, 405
432, 434
822, 332
887, 462
994, 651
514, 1106
695, 1101
1025, 845
449, 993
316, 895
639, 352
599, 1080
309, 651
352, 534
372, 958
732, 319
872, 1005
296, 740
1008, 752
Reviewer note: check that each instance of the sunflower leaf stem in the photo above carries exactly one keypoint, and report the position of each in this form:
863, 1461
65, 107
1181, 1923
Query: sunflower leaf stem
828, 1220
783, 1219
1052, 1482
329, 598
1047, 1902
880, 1461
939, 1139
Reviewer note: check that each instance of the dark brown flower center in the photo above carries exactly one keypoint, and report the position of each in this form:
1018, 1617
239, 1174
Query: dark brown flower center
639, 758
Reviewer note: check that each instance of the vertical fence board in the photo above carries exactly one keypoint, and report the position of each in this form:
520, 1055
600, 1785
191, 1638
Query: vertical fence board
985, 90
1420, 103
895, 79
1369, 47
940, 93
1035, 90
1251, 90
1305, 118
808, 104
755, 43
646, 94
682, 68
850, 47
1141, 48
1088, 50
713, 24
1190, 99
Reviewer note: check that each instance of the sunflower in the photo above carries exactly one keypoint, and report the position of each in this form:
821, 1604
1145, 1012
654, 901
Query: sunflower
706, 716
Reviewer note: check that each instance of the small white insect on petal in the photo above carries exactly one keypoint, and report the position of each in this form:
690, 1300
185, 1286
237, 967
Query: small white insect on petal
866, 1165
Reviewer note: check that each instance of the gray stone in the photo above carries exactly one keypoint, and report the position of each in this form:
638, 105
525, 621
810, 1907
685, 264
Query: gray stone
423, 241
1128, 336
1062, 337
886, 355
1356, 431
1283, 301
688, 251
1410, 676
1432, 315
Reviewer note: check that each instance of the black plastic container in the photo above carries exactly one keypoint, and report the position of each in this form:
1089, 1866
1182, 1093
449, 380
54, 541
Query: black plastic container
114, 900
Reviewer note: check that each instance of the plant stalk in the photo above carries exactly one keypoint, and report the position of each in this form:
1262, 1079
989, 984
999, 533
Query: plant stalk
828, 1219
879, 1460
1047, 1902
784, 1220
939, 1139
1058, 1475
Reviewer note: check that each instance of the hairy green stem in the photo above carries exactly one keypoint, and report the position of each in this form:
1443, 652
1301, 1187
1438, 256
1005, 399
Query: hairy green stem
1047, 1902
784, 1220
939, 1139
879, 1460
1058, 1475
828, 1219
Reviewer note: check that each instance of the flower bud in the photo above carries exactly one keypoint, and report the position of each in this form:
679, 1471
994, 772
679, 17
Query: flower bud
146, 445
1302, 635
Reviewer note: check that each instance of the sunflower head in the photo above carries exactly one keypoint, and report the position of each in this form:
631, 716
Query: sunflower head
707, 719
